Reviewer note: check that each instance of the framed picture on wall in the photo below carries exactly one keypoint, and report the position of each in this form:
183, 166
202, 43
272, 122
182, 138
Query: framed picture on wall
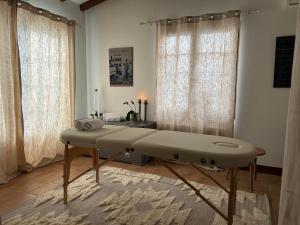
284, 61
121, 66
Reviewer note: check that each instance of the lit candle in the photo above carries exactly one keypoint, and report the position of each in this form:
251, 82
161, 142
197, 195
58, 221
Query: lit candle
140, 111
145, 104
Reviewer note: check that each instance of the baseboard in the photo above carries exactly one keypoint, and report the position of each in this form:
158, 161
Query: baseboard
267, 169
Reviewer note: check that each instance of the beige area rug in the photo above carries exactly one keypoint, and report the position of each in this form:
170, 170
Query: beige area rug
131, 198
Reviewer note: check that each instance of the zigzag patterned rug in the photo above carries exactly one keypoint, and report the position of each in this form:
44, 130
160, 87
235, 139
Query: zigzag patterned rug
131, 198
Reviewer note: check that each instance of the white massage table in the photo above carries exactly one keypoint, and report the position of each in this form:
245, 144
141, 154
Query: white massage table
194, 149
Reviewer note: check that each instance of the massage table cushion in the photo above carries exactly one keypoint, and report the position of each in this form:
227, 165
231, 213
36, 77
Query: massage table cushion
184, 147
80, 138
122, 141
169, 145
201, 149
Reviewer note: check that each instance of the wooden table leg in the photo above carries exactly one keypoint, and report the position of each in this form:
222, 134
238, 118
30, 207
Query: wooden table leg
66, 175
252, 177
255, 172
197, 191
228, 174
70, 153
95, 164
236, 180
232, 195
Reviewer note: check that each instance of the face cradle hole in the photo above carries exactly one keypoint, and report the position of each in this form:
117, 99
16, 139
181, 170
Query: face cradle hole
227, 144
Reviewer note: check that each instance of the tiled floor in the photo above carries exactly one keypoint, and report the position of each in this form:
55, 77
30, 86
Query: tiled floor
26, 186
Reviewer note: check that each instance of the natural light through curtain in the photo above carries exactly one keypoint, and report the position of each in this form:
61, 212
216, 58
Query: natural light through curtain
196, 75
11, 133
290, 186
47, 71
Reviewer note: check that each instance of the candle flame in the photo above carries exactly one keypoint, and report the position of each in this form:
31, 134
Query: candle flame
142, 96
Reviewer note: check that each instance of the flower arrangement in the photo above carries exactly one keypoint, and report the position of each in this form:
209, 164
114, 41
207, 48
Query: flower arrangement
132, 114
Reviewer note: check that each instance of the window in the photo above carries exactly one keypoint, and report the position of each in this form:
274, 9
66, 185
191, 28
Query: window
196, 75
47, 84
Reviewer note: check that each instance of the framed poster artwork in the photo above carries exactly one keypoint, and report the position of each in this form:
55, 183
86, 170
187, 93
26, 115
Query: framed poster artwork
121, 66
284, 61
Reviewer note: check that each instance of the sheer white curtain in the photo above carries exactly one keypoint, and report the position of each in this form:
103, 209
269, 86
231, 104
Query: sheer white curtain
290, 187
196, 74
47, 72
11, 132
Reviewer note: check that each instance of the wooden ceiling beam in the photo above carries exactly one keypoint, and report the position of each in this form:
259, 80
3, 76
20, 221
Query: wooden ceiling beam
89, 4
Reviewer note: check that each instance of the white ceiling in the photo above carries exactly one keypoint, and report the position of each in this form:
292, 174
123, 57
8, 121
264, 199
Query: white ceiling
262, 3
78, 1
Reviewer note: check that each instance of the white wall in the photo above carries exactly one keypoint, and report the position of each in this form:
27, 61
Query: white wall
261, 110
104, 31
71, 11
